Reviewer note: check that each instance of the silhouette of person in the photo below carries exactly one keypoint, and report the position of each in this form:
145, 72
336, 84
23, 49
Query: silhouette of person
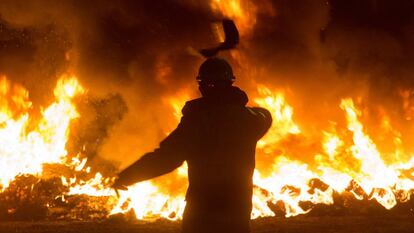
217, 136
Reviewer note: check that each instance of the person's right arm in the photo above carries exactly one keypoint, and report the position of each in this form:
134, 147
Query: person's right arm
262, 120
169, 156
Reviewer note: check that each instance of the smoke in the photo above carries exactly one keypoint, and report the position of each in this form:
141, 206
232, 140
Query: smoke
316, 51
137, 49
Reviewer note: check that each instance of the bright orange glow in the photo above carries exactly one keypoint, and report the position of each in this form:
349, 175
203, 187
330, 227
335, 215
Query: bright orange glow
23, 150
282, 113
347, 155
243, 12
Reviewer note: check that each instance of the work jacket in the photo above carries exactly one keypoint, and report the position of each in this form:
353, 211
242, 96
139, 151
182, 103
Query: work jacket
217, 137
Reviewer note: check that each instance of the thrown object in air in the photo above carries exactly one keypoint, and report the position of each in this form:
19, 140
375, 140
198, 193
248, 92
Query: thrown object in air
231, 39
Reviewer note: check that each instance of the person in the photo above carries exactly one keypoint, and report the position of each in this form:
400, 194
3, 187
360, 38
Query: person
217, 137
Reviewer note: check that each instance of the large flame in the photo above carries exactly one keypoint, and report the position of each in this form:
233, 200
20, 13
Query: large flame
343, 165
243, 12
347, 160
344, 158
27, 144
292, 181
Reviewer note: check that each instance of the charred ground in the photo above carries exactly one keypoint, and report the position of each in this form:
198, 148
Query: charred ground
304, 224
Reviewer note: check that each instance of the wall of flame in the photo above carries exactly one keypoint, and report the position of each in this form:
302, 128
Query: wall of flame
342, 100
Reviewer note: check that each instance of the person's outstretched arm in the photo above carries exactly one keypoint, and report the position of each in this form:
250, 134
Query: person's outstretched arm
169, 156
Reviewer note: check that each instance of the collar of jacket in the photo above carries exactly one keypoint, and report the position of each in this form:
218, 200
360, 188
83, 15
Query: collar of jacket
232, 95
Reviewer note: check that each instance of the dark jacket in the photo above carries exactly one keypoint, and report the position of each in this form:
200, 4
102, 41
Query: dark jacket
217, 137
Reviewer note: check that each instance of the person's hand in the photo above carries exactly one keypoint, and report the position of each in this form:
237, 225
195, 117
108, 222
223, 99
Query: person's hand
118, 185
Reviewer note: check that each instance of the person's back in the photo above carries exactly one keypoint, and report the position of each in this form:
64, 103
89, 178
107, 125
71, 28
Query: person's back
221, 161
217, 137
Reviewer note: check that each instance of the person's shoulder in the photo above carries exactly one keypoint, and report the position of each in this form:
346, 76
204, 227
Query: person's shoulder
259, 112
192, 106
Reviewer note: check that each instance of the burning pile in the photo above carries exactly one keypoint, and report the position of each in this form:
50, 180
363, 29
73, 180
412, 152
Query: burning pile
301, 168
25, 147
39, 178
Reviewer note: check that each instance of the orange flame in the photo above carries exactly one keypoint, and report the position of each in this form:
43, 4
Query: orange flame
24, 151
342, 160
243, 12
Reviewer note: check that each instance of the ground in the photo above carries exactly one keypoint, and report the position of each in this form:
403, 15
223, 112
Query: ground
302, 224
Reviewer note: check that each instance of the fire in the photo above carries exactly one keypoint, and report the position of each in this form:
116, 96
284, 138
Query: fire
145, 198
148, 202
373, 172
24, 148
243, 12
282, 113
291, 181
348, 159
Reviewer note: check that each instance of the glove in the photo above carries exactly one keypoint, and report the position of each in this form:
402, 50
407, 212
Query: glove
119, 185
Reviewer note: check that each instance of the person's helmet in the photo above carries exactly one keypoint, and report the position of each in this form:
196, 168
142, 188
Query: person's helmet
214, 70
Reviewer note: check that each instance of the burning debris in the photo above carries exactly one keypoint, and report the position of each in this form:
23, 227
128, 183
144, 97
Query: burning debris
31, 198
351, 155
64, 186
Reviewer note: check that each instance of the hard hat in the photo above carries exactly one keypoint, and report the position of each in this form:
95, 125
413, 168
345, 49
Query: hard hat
215, 69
